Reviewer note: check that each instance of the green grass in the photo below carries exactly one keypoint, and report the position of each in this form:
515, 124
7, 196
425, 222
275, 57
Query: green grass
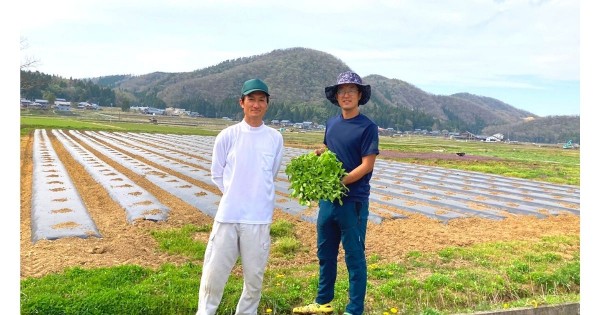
489, 276
28, 124
181, 241
286, 246
282, 229
284, 241
117, 290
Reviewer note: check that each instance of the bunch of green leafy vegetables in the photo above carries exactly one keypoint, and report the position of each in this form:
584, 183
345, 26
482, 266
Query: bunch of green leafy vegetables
314, 177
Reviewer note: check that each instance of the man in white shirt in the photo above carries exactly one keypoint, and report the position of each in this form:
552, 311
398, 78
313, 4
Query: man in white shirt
245, 162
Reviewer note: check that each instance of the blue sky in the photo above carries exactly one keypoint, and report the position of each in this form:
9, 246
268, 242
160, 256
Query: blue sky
525, 53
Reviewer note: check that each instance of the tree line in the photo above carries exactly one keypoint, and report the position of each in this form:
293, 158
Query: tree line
36, 85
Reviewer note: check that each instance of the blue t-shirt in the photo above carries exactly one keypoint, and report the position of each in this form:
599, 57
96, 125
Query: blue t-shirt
350, 140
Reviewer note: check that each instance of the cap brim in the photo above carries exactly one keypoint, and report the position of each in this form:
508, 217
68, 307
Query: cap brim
255, 90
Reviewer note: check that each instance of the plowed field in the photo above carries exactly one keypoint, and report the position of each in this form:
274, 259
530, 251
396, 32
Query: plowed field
123, 242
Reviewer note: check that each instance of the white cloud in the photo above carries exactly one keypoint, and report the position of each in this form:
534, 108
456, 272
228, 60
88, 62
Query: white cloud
476, 42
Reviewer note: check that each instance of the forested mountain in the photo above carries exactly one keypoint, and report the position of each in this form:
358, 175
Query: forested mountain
297, 78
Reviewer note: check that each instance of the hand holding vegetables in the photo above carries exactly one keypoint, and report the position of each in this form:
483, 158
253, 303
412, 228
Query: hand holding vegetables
313, 177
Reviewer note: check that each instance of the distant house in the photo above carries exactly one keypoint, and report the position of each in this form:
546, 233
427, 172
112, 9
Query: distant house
62, 101
153, 111
169, 111
499, 136
63, 108
36, 104
25, 102
466, 136
495, 138
87, 105
39, 103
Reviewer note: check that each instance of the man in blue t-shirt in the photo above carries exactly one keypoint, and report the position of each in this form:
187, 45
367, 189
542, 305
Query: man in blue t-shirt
354, 138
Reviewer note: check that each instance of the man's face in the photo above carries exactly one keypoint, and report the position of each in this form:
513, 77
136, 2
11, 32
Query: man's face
348, 96
255, 105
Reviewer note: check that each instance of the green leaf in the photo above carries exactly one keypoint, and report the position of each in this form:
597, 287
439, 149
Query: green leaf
313, 177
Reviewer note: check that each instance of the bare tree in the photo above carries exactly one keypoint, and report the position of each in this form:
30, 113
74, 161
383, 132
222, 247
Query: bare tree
27, 61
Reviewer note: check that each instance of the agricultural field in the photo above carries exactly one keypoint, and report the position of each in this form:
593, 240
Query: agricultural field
101, 194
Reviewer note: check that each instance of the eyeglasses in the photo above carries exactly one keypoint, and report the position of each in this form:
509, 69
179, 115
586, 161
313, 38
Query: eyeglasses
349, 91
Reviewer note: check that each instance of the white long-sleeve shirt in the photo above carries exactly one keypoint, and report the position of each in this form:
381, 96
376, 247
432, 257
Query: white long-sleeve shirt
244, 166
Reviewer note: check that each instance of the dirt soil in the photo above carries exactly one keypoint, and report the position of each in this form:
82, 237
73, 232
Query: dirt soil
125, 243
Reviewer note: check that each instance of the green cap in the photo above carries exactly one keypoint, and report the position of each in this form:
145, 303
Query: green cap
253, 86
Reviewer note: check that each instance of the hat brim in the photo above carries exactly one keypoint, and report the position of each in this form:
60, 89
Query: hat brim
255, 90
365, 91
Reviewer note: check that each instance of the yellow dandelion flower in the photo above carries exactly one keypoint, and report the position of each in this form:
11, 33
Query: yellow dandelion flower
394, 310
269, 310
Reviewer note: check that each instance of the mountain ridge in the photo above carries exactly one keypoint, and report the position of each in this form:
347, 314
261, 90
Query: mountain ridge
297, 78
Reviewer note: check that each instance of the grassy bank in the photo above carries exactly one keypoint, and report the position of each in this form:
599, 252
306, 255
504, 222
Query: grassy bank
491, 276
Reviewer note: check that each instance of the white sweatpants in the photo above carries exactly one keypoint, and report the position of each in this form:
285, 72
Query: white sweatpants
226, 243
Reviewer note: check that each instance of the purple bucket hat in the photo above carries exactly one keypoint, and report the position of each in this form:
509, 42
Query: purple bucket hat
349, 77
